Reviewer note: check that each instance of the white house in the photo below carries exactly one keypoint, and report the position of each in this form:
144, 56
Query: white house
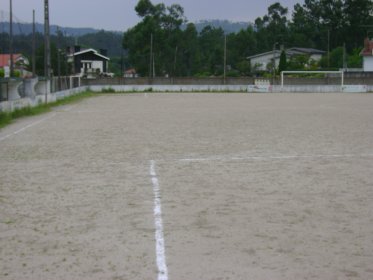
367, 54
261, 61
89, 63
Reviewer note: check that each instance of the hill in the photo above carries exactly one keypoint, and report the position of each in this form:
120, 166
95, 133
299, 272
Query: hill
26, 28
226, 25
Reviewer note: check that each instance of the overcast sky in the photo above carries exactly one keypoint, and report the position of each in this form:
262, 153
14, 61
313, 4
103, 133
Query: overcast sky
120, 15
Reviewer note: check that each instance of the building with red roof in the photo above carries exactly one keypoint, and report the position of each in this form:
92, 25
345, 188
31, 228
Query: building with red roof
20, 63
367, 54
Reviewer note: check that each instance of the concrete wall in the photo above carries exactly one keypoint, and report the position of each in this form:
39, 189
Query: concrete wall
169, 81
368, 63
353, 79
171, 88
235, 88
11, 105
34, 99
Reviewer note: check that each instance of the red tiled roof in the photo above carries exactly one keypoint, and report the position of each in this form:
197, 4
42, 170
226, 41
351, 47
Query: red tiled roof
5, 59
130, 71
368, 48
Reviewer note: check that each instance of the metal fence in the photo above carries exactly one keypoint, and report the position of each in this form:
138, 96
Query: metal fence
350, 78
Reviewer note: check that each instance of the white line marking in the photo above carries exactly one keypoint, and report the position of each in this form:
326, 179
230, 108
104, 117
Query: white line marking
27, 127
159, 236
69, 108
281, 157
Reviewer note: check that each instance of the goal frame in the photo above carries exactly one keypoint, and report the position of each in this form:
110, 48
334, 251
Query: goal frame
312, 72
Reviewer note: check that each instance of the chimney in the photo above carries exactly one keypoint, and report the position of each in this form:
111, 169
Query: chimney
103, 52
76, 48
366, 44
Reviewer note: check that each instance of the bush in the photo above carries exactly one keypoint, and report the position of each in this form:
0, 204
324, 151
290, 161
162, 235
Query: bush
108, 90
202, 75
17, 74
5, 118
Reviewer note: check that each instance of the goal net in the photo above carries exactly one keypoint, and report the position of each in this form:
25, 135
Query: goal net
312, 77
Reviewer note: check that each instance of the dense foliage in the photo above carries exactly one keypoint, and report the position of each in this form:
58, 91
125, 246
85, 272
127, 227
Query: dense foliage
110, 41
176, 51
181, 48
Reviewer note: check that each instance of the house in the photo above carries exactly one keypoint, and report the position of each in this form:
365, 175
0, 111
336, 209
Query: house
367, 54
130, 73
313, 54
20, 63
263, 61
88, 63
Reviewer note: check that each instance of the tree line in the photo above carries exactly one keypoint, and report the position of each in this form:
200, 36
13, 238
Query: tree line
165, 43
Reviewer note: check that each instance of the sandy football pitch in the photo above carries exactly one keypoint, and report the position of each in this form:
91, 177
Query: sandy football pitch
190, 186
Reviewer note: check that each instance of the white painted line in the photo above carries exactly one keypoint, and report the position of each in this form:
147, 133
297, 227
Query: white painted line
159, 236
69, 108
281, 157
27, 127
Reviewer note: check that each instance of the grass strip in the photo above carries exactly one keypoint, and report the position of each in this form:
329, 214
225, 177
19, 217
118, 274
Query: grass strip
7, 118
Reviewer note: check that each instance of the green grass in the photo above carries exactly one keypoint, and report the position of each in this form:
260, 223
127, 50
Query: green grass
7, 118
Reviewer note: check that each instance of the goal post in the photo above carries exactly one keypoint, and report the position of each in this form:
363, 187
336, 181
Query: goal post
312, 72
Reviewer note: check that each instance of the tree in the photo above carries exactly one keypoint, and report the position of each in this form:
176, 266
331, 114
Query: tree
211, 45
335, 59
273, 27
189, 53
144, 8
355, 60
54, 61
299, 62
359, 19
163, 25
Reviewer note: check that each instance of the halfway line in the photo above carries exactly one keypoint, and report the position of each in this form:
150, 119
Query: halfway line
159, 236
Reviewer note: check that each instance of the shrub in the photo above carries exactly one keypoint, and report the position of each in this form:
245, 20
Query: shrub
108, 90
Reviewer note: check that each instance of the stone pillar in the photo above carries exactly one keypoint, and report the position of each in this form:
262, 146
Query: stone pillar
42, 87
13, 89
30, 85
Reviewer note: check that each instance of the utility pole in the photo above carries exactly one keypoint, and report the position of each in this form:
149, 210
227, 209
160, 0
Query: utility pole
11, 38
122, 64
153, 66
47, 53
328, 48
59, 68
344, 57
151, 56
33, 45
274, 63
225, 58
175, 62
58, 59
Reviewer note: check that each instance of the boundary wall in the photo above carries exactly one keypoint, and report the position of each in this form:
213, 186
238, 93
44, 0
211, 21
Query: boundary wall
16, 104
37, 99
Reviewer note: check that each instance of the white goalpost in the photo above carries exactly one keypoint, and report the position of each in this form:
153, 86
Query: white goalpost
312, 72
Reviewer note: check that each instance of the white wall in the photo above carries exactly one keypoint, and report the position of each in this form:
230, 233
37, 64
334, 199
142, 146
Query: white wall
98, 65
316, 57
94, 65
368, 63
263, 61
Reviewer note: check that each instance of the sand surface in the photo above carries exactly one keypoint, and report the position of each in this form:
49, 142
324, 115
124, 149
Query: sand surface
252, 186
